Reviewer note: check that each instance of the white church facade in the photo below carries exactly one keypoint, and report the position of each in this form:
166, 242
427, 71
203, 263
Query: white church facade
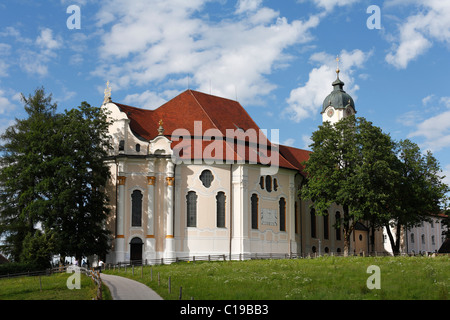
198, 177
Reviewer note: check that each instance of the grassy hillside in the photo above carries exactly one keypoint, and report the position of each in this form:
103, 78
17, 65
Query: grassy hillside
53, 288
325, 278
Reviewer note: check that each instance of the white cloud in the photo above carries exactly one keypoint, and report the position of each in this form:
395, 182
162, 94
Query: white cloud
306, 101
6, 105
307, 141
435, 130
420, 31
150, 41
146, 100
446, 173
46, 40
288, 142
247, 5
35, 56
329, 5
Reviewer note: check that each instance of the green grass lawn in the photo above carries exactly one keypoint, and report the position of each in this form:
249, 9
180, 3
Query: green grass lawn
53, 288
325, 278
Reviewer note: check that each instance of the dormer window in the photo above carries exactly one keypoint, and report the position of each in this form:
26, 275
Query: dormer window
138, 147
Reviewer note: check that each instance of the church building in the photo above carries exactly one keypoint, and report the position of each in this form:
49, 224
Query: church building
197, 176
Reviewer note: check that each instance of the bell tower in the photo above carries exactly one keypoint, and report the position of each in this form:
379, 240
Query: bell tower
338, 104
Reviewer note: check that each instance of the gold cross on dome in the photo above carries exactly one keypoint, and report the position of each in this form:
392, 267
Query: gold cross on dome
337, 61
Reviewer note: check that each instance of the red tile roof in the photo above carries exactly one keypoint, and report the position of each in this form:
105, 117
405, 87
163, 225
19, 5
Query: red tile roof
213, 113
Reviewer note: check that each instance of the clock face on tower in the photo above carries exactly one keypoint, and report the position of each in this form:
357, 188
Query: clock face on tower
330, 112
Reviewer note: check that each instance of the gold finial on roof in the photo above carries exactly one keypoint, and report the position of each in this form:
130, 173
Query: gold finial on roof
337, 60
161, 129
107, 94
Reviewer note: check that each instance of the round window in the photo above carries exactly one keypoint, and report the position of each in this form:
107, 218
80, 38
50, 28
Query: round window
206, 178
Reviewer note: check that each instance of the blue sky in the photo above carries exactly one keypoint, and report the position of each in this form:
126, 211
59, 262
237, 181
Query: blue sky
276, 57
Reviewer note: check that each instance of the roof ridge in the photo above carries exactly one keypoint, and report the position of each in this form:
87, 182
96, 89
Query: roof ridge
203, 109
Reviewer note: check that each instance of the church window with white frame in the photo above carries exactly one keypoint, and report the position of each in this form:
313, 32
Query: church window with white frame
220, 209
254, 207
282, 209
136, 208
191, 209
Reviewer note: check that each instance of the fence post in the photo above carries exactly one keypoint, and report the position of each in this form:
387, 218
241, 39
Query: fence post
170, 285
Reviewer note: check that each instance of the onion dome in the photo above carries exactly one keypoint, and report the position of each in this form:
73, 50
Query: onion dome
338, 98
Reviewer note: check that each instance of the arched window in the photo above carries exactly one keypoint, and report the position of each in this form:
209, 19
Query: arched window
282, 206
138, 147
275, 184
338, 225
207, 178
423, 239
254, 204
313, 223
261, 182
269, 183
220, 210
412, 237
325, 225
136, 208
191, 209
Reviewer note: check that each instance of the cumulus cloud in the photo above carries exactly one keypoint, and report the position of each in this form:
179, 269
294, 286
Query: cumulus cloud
47, 41
435, 130
34, 58
329, 5
418, 33
148, 42
306, 101
146, 100
247, 5
5, 101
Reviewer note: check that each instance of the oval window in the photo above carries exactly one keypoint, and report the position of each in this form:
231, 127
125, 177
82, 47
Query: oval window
206, 178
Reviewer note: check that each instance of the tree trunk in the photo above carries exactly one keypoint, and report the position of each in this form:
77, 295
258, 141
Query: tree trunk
346, 242
347, 230
394, 244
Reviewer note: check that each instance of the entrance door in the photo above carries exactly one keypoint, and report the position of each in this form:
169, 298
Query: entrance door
136, 249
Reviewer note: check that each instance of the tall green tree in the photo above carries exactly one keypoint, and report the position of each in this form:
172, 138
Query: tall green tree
348, 166
52, 178
79, 202
418, 191
23, 153
375, 179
